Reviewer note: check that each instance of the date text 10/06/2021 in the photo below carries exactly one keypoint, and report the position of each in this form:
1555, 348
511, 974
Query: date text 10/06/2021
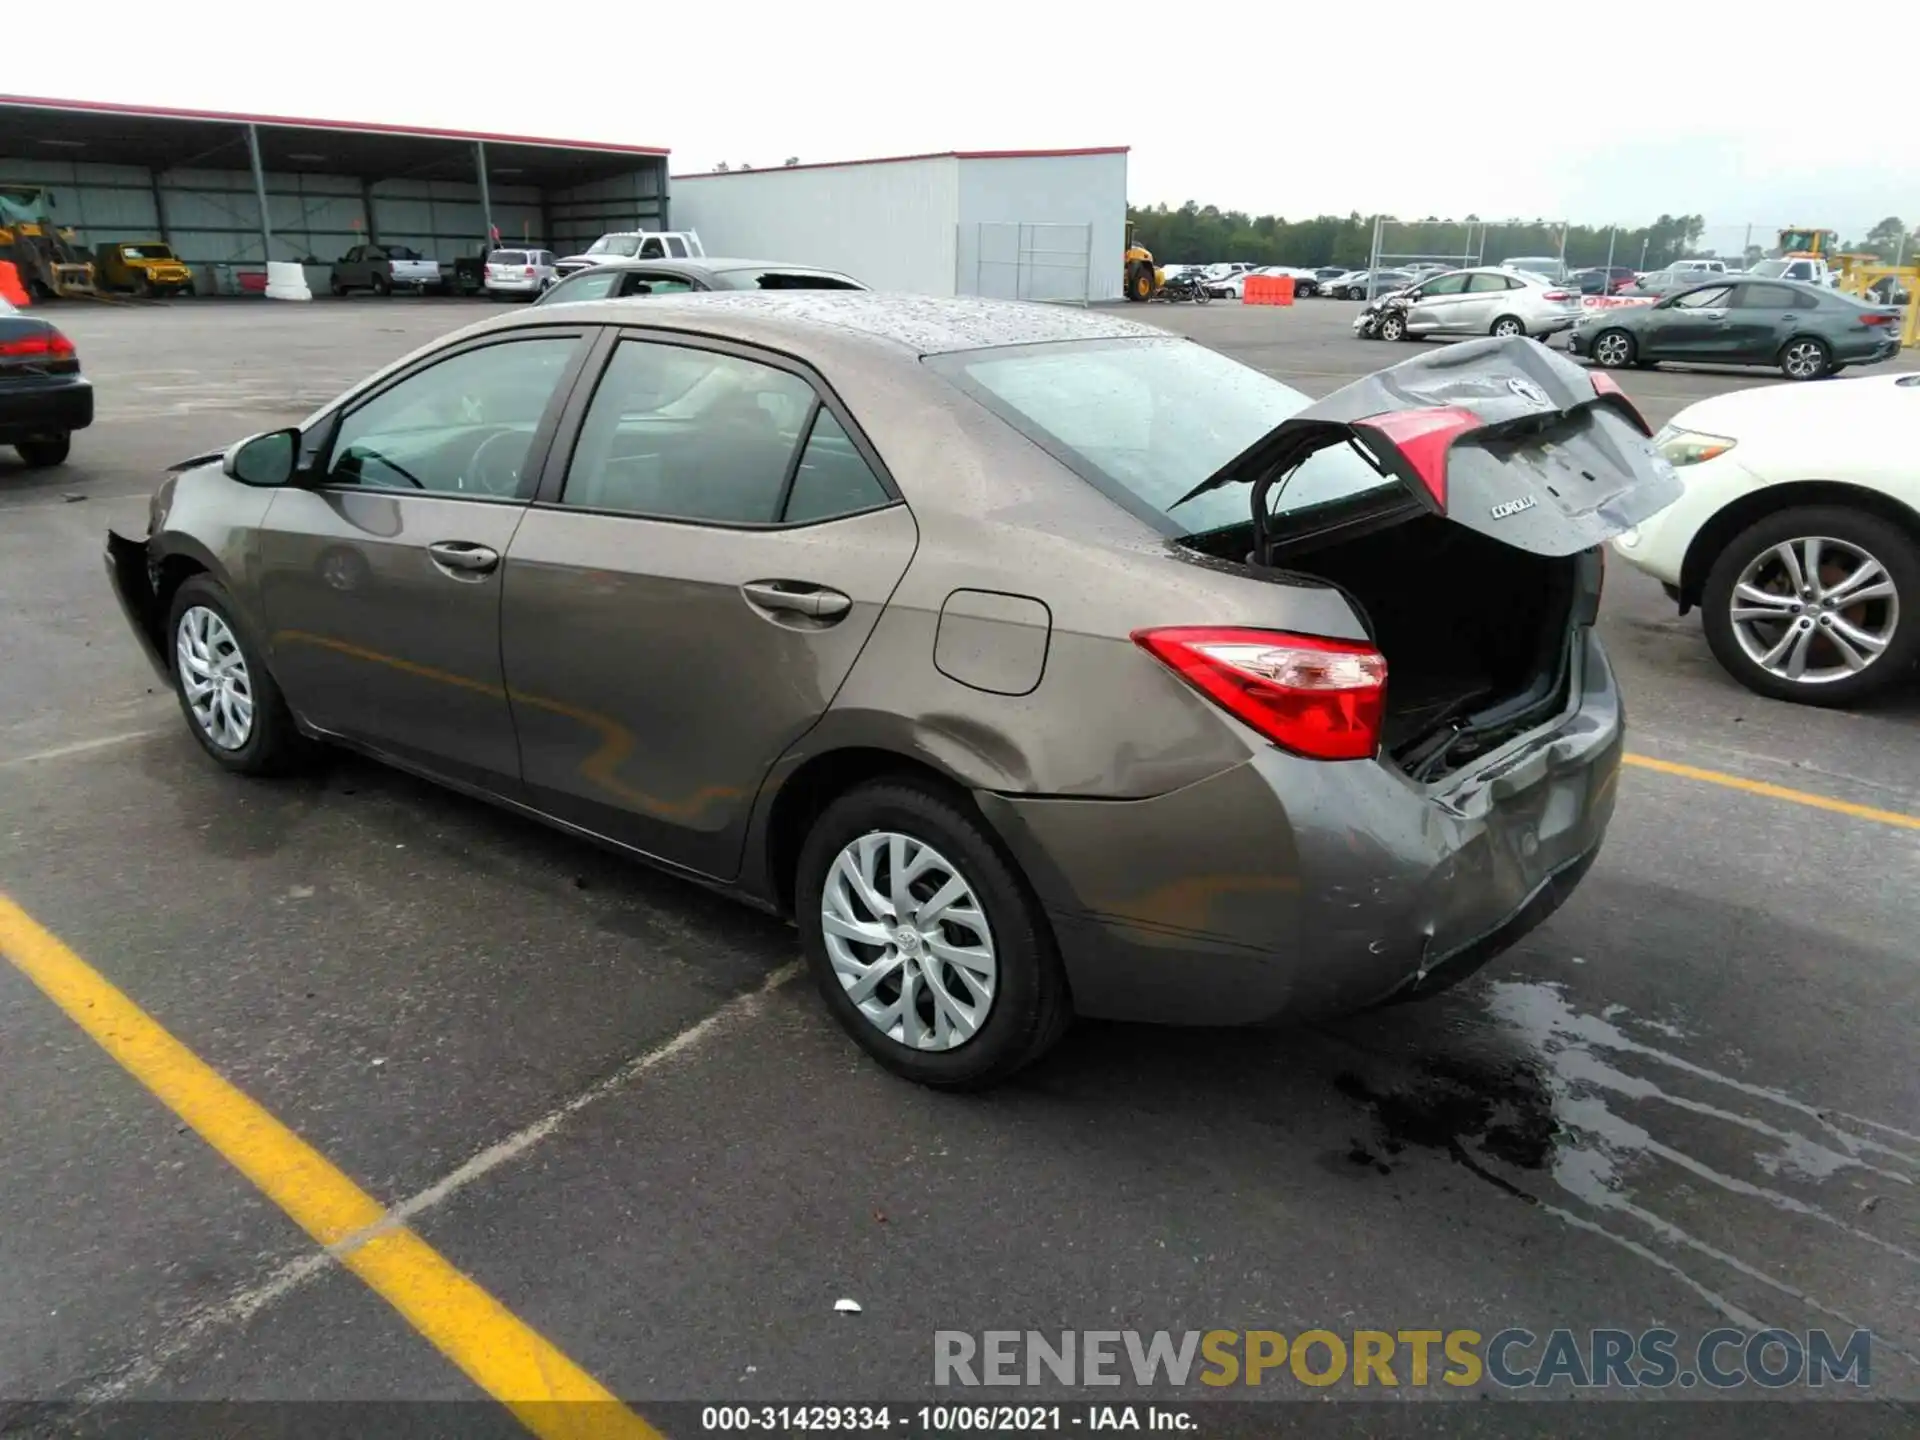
945, 1419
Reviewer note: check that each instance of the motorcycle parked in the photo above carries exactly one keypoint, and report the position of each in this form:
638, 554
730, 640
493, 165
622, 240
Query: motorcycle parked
1191, 285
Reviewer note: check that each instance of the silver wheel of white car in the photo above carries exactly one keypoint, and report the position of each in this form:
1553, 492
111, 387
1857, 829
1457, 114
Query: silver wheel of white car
1816, 605
1393, 327
1814, 610
1507, 327
908, 940
214, 678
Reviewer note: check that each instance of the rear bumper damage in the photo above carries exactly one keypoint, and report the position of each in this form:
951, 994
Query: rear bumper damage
1287, 888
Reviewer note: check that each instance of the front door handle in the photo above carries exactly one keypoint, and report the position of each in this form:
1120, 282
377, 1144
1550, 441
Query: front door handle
464, 555
797, 597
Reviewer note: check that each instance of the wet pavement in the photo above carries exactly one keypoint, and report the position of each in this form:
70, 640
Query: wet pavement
1687, 1101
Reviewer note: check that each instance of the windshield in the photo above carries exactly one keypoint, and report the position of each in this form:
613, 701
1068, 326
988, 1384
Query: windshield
615, 245
146, 252
1144, 421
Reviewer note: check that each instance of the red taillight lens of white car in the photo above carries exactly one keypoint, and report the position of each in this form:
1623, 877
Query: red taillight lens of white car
1316, 697
1559, 295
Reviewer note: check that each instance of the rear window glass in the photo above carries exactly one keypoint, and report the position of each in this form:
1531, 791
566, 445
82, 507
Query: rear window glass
1144, 421
782, 280
507, 257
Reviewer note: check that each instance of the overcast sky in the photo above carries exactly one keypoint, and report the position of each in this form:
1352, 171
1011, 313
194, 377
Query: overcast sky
1540, 109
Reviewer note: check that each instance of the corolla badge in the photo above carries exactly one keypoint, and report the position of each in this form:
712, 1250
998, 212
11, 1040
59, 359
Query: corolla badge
1527, 390
1513, 507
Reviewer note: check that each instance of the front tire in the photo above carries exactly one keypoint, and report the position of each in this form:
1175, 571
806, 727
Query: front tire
1140, 282
1612, 349
925, 942
1818, 605
1393, 327
46, 451
231, 703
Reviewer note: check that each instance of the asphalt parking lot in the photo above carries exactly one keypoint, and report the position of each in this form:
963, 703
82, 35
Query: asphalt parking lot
1688, 1100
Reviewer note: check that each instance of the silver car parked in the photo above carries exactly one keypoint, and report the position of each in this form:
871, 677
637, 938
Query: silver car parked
1036, 662
1486, 300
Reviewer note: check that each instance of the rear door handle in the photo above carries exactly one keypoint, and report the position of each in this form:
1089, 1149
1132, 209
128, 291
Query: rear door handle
797, 597
464, 555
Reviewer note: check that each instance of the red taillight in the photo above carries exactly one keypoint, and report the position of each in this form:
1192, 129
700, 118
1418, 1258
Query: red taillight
1878, 319
529, 271
49, 345
1320, 698
1556, 295
1608, 388
1423, 437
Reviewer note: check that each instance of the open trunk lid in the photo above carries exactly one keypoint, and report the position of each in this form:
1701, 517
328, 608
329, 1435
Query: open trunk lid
1500, 435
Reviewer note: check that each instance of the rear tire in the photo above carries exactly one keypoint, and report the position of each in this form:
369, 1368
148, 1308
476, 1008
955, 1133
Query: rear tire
1805, 358
1508, 326
1897, 554
1029, 1006
273, 744
46, 452
1140, 282
382, 285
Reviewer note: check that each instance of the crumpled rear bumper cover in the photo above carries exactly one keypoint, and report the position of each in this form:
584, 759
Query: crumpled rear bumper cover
1285, 888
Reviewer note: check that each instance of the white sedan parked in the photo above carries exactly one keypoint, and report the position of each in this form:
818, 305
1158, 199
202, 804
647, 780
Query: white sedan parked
1798, 534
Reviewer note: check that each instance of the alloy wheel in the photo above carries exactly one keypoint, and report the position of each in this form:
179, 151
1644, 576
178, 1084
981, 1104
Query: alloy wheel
909, 941
1804, 359
1814, 609
1612, 349
1506, 328
214, 677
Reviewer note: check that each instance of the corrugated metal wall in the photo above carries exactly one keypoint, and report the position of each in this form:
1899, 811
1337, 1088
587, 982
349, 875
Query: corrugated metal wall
1045, 191
890, 225
211, 217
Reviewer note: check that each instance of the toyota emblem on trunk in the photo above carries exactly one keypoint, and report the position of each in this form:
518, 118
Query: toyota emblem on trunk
1527, 390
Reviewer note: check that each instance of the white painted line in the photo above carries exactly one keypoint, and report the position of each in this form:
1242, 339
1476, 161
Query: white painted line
147, 1367
84, 747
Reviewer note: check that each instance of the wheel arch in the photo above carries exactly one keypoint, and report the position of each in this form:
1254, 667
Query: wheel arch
1755, 505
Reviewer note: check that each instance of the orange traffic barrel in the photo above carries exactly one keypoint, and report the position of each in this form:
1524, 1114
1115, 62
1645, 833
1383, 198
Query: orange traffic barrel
10, 286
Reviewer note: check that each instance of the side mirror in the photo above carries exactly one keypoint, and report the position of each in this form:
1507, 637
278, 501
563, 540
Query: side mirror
266, 460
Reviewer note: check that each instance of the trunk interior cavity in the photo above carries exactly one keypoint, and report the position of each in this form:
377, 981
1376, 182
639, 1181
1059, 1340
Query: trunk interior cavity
1475, 632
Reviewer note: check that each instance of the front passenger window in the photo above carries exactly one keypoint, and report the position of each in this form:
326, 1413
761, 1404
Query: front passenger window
462, 426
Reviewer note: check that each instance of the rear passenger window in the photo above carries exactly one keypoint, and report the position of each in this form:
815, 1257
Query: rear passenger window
1768, 297
832, 479
677, 246
684, 434
1482, 284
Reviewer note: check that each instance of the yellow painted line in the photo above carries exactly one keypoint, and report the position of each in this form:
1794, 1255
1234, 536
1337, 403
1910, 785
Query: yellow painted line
553, 1397
1776, 792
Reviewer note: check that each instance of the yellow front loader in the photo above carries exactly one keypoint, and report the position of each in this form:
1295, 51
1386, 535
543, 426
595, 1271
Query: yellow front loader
1142, 275
48, 258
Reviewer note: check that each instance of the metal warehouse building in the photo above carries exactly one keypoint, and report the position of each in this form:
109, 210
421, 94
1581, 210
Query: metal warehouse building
1013, 224
230, 191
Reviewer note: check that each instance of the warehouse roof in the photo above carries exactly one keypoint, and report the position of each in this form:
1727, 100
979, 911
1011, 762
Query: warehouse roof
161, 138
931, 155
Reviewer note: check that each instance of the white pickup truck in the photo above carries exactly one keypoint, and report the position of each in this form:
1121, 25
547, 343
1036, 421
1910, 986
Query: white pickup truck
384, 269
633, 245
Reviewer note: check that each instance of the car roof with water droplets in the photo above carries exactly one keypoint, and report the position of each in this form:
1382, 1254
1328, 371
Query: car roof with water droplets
923, 324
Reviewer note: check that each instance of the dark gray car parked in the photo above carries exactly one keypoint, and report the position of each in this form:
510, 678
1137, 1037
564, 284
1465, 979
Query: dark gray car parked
1035, 661
1807, 330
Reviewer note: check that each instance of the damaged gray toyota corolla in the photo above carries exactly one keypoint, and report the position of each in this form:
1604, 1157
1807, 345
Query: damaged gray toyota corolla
1036, 662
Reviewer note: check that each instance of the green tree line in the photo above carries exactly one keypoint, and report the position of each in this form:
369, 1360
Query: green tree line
1197, 233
